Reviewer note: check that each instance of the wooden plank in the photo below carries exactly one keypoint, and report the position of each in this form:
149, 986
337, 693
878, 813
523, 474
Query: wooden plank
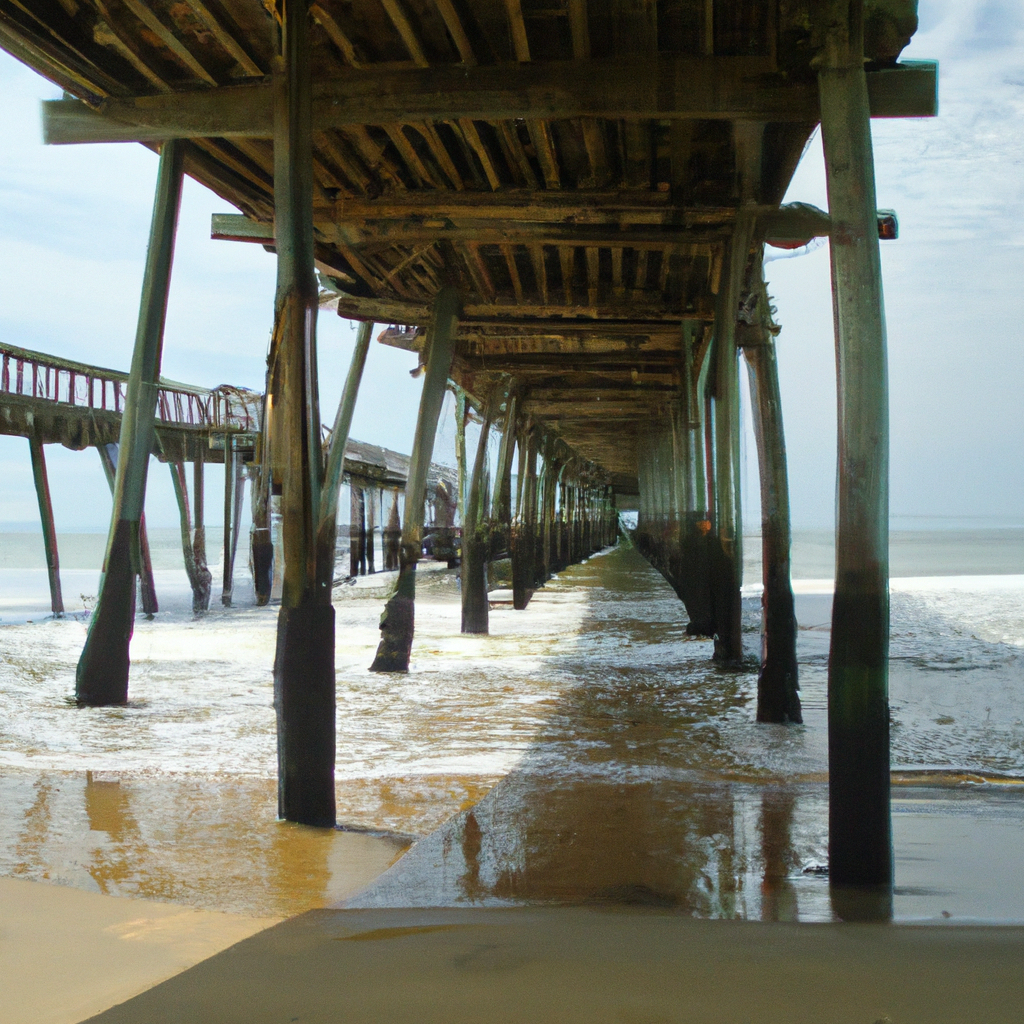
404, 28
454, 25
517, 28
510, 258
169, 39
664, 88
334, 32
225, 38
408, 153
579, 28
515, 155
566, 257
472, 136
540, 135
540, 271
593, 273
618, 289
441, 154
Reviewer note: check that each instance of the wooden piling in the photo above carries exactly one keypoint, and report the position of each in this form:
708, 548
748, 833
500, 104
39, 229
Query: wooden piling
356, 530
204, 578
234, 488
261, 542
304, 682
49, 530
461, 411
327, 526
524, 528
860, 830
778, 699
398, 621
147, 589
476, 532
392, 536
501, 516
727, 552
102, 675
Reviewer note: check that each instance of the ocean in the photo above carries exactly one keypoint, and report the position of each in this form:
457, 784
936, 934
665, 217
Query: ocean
589, 725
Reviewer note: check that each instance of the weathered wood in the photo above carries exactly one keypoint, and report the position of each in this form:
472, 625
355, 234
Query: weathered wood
523, 540
476, 531
234, 489
357, 531
860, 829
398, 621
727, 560
200, 596
327, 526
102, 675
778, 698
460, 452
195, 568
712, 88
392, 536
147, 589
304, 665
49, 530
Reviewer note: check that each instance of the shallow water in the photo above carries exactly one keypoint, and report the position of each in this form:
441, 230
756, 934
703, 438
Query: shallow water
627, 749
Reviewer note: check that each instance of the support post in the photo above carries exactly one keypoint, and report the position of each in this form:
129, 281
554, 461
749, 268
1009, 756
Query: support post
204, 578
476, 532
356, 528
49, 530
398, 621
727, 552
304, 682
234, 488
460, 453
102, 675
147, 590
502, 511
392, 536
327, 529
860, 828
371, 527
261, 541
524, 543
778, 698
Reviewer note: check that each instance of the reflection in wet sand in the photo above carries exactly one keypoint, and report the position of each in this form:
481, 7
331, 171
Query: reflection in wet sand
207, 842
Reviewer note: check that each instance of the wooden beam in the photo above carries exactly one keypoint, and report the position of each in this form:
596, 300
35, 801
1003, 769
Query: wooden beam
544, 145
335, 34
726, 88
401, 22
225, 38
454, 25
517, 28
476, 144
169, 39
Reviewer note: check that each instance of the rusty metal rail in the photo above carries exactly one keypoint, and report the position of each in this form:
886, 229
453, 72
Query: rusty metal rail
46, 378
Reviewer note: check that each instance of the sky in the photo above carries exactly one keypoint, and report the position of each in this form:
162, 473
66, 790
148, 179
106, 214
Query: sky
74, 223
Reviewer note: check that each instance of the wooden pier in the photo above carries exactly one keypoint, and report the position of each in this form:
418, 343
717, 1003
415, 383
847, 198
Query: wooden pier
562, 207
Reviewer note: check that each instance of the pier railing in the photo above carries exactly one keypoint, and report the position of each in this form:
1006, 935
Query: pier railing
48, 378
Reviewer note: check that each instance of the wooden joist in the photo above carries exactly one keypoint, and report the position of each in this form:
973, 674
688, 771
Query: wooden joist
711, 88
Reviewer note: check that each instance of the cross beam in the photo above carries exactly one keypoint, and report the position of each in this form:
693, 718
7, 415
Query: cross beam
711, 88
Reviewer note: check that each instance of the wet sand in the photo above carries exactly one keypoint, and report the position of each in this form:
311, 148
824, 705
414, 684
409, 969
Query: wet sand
564, 965
65, 954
